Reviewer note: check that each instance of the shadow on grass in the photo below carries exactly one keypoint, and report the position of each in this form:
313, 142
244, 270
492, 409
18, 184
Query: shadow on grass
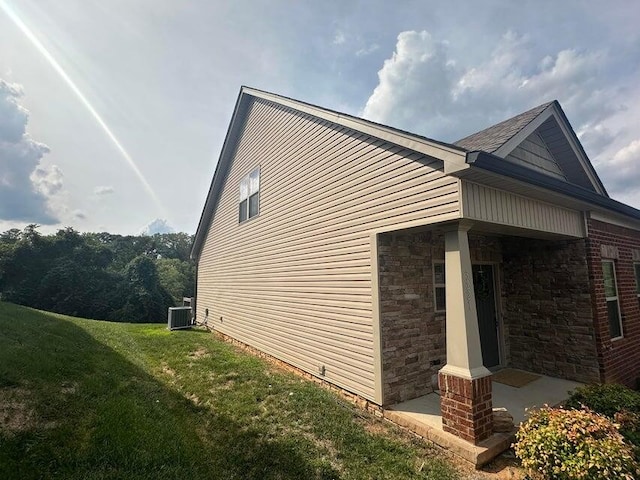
72, 407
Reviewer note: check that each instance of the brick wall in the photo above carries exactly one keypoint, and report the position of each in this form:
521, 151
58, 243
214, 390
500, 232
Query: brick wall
547, 307
619, 359
466, 407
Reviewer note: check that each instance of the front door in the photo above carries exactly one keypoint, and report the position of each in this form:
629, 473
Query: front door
484, 286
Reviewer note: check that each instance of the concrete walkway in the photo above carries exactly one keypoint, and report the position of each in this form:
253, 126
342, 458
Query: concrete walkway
422, 415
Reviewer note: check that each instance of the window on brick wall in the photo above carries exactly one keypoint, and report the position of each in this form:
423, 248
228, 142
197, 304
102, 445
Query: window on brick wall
439, 292
611, 295
636, 269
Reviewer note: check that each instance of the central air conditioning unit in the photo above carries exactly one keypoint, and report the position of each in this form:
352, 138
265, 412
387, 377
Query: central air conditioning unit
179, 317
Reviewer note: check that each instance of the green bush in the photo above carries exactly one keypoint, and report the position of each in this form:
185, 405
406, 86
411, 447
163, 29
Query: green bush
619, 403
560, 444
606, 399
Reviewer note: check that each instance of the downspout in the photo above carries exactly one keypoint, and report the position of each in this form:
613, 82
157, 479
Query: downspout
195, 295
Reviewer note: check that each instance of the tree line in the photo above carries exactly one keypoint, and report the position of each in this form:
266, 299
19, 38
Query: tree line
96, 275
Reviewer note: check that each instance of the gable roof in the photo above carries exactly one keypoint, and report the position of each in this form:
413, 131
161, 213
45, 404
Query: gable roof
550, 123
493, 143
454, 157
491, 139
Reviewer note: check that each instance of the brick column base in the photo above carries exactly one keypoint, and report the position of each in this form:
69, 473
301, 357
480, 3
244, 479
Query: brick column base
466, 407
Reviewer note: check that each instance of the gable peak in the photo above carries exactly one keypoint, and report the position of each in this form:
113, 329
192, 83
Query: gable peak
492, 138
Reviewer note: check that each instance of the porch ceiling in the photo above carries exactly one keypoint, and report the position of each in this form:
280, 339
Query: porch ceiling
479, 226
484, 227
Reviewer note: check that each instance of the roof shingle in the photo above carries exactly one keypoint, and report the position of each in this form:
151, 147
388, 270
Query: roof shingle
492, 138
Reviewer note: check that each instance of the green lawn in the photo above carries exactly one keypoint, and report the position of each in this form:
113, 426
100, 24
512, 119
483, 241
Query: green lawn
84, 399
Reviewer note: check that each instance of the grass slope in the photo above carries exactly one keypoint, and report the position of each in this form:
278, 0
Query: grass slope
83, 399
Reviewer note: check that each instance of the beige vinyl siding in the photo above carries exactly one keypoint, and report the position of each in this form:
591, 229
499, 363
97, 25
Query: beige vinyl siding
497, 206
295, 281
533, 153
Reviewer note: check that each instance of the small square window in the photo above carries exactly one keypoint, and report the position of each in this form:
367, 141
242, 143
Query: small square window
439, 291
249, 203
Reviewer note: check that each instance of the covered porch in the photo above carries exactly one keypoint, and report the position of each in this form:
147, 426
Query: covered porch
464, 302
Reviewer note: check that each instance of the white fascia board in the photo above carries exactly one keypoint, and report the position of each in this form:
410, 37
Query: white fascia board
453, 159
614, 219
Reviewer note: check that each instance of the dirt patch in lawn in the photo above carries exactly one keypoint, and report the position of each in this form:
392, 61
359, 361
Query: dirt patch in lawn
17, 413
375, 426
167, 370
503, 467
201, 352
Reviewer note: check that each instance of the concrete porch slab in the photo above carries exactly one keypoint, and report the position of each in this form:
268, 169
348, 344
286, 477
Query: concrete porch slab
422, 416
543, 391
478, 455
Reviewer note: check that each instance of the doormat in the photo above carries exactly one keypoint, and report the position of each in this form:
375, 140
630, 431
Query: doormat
513, 377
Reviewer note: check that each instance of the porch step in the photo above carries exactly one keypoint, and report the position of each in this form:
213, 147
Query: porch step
478, 455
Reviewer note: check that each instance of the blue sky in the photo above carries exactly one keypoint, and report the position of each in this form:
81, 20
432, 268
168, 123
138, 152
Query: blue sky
120, 122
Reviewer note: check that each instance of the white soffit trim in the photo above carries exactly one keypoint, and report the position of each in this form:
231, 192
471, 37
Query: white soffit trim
514, 186
619, 220
454, 159
522, 135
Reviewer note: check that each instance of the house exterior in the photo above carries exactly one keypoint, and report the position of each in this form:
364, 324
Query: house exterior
390, 264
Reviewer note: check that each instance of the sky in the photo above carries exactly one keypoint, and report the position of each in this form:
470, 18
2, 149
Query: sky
113, 112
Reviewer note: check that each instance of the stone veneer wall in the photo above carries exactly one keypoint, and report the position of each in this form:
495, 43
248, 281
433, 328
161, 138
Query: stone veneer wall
412, 334
547, 309
619, 359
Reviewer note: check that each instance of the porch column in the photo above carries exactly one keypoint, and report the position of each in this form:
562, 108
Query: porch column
465, 384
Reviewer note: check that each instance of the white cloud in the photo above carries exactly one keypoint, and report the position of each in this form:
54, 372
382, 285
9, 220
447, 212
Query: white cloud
159, 225
596, 137
423, 89
367, 50
26, 187
339, 38
414, 84
624, 169
14, 117
47, 180
103, 190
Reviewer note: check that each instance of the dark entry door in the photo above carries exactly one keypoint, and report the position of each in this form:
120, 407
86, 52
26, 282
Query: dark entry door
484, 286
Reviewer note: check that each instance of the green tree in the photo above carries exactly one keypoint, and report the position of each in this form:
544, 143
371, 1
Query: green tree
96, 275
177, 277
145, 300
